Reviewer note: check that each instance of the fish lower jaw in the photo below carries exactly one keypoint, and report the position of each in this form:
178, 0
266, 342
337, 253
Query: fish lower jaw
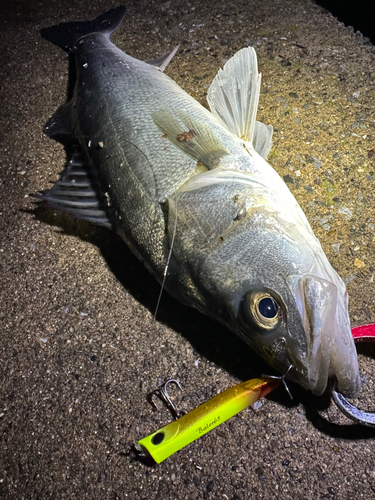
314, 378
318, 378
349, 384
317, 387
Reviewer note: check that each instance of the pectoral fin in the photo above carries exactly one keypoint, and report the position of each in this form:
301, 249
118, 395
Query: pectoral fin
193, 137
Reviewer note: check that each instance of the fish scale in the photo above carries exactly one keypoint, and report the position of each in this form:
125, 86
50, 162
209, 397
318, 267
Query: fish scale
133, 81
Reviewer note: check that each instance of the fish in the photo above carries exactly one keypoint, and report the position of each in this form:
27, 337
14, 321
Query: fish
191, 193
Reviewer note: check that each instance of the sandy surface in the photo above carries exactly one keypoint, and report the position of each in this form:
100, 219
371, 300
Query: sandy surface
79, 348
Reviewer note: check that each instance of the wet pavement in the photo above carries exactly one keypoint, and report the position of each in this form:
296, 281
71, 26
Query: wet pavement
79, 348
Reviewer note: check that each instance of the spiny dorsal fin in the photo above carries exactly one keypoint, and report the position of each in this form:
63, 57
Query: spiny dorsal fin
162, 62
74, 194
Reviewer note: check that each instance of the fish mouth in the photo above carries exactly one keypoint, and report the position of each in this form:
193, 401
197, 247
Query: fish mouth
329, 349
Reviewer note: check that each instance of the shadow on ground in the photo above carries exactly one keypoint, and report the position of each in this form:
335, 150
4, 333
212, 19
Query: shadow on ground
209, 339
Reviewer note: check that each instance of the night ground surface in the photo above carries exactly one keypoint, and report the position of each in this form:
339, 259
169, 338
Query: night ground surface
79, 348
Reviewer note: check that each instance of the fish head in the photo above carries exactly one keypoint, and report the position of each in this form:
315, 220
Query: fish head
301, 324
280, 294
252, 262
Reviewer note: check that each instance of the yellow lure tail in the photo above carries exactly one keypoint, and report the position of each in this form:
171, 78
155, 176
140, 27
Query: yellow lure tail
174, 436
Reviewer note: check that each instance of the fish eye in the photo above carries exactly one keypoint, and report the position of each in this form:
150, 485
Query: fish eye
262, 309
267, 307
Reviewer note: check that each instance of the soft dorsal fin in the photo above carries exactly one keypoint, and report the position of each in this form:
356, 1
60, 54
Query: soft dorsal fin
162, 62
75, 195
234, 93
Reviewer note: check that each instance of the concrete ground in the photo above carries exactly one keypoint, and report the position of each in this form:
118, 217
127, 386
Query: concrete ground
79, 348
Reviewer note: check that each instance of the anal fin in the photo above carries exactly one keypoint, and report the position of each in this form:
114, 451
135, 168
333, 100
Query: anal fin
75, 195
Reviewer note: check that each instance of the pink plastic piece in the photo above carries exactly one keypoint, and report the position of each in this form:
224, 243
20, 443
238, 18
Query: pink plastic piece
364, 333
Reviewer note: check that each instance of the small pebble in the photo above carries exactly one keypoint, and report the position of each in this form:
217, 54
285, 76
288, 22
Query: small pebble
349, 278
288, 179
317, 164
359, 263
258, 404
346, 212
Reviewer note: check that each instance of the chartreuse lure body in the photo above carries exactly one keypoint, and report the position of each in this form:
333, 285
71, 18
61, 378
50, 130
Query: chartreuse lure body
174, 436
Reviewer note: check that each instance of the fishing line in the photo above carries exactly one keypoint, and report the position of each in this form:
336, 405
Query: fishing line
168, 260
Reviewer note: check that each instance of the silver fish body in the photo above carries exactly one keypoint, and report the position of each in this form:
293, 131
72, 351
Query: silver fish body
172, 175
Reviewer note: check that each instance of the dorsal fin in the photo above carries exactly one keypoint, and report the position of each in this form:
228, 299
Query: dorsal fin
75, 195
162, 62
60, 123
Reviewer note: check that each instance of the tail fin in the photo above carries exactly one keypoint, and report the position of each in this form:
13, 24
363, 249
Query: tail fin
64, 35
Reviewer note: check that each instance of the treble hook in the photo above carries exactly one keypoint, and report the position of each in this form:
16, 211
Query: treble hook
282, 379
162, 393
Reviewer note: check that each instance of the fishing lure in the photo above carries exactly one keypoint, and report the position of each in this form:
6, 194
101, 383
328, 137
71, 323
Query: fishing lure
189, 427
174, 436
